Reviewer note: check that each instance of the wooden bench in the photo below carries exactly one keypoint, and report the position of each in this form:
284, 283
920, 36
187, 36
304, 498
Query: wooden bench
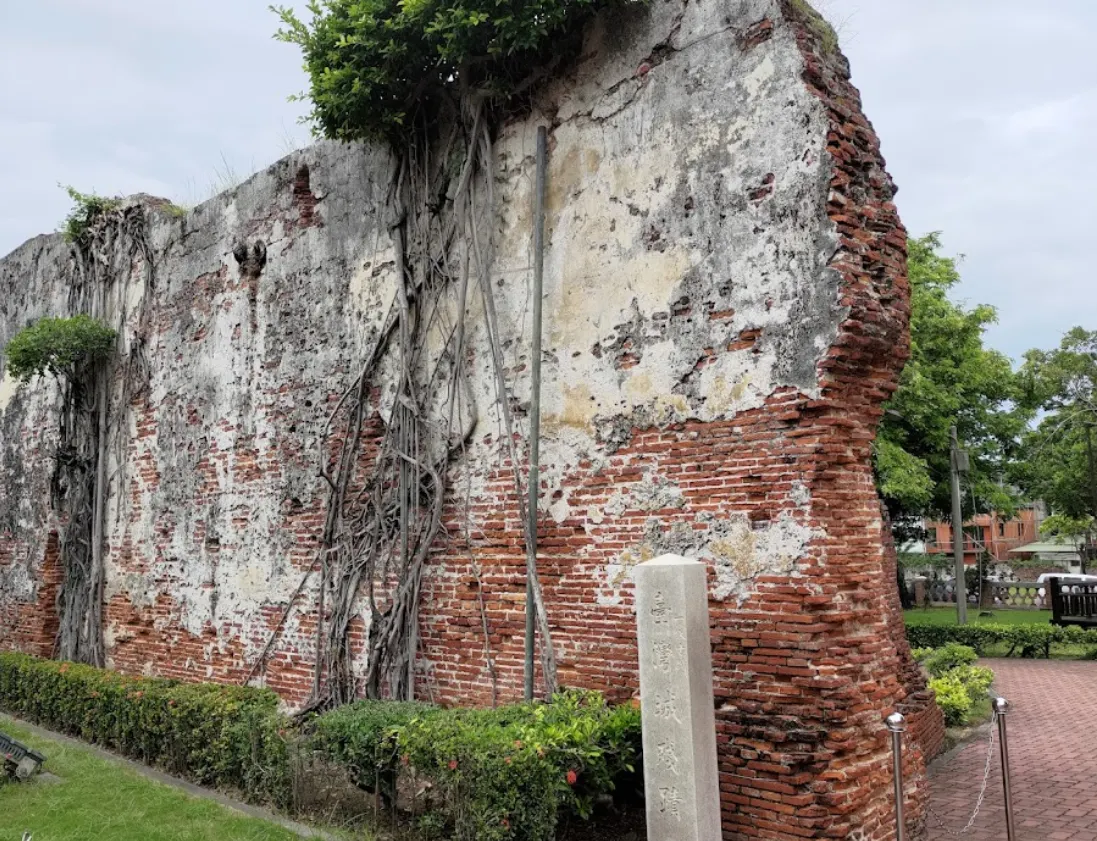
1073, 604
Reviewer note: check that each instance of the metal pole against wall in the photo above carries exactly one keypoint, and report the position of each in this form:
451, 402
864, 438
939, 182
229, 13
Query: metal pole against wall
1001, 707
897, 725
535, 403
958, 465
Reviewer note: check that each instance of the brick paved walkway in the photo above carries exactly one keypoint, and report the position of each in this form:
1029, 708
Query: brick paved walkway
1052, 756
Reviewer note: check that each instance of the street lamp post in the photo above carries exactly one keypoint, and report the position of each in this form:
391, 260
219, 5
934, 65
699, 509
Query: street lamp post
959, 464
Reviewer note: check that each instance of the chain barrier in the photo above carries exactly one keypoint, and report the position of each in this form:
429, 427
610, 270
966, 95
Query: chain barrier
897, 725
982, 792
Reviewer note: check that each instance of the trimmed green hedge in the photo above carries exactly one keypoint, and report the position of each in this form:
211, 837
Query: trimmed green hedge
361, 737
495, 775
1023, 640
225, 736
507, 774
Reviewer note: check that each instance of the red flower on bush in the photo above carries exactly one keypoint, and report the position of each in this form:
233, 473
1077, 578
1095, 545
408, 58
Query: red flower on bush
138, 694
507, 760
571, 777
64, 668
405, 759
506, 823
171, 702
94, 694
453, 765
518, 743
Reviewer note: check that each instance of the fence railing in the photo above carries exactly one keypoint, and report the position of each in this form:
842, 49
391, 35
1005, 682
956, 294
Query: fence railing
1021, 595
897, 724
945, 547
941, 592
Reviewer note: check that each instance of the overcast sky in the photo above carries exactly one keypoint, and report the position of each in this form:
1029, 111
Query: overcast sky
987, 110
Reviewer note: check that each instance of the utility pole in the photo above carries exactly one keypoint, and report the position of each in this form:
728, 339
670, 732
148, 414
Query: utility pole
1085, 555
958, 464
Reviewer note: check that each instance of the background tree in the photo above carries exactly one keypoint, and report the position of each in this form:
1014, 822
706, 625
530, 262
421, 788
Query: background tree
1060, 466
951, 379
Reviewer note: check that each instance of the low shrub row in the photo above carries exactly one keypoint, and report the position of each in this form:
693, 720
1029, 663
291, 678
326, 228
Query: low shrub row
507, 774
960, 686
1022, 640
226, 736
494, 775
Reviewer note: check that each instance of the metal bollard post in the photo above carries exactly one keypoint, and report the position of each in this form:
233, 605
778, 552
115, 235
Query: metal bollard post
1001, 707
897, 724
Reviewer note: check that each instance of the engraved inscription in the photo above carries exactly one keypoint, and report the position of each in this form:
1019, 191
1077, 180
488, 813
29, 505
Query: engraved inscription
670, 802
667, 754
666, 704
667, 655
663, 656
660, 613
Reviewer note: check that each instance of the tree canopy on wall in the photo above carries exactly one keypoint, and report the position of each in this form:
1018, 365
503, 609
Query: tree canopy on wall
58, 346
374, 66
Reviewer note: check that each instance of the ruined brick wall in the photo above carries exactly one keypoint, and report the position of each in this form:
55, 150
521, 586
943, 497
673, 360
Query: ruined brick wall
725, 312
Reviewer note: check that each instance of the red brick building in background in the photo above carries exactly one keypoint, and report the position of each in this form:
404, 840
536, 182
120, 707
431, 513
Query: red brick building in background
991, 534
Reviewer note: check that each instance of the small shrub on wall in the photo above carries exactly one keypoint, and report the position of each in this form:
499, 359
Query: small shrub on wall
373, 63
58, 346
87, 209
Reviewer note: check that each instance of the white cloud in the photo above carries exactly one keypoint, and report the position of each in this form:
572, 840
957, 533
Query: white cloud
1056, 116
986, 114
120, 96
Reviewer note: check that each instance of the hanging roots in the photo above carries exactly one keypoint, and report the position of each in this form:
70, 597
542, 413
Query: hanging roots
386, 492
72, 492
101, 259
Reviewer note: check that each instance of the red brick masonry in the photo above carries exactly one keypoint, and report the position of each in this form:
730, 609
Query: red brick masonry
806, 668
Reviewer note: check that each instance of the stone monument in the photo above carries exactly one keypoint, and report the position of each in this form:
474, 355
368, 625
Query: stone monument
679, 723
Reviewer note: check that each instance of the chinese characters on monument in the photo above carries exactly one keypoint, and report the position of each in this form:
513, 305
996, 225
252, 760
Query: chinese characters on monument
679, 722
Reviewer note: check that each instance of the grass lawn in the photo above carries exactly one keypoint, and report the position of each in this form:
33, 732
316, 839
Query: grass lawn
98, 799
947, 616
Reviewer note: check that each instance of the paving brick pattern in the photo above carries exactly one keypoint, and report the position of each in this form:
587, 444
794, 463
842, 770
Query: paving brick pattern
1052, 732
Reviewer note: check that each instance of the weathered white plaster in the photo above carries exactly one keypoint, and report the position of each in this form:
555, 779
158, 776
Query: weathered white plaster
651, 228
